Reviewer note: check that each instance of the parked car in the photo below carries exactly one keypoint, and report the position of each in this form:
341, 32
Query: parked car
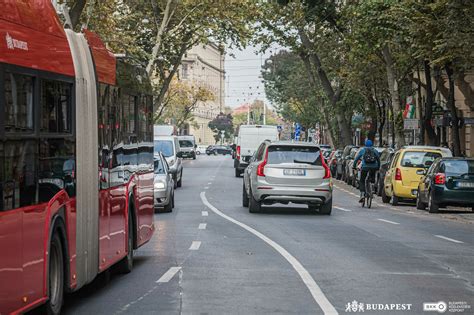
187, 146
169, 147
407, 167
219, 149
385, 160
248, 140
163, 184
341, 162
332, 163
284, 172
448, 182
201, 149
348, 173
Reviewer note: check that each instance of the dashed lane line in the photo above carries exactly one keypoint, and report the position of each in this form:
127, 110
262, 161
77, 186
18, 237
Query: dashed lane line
449, 239
204, 213
167, 276
195, 245
318, 295
388, 221
342, 209
202, 226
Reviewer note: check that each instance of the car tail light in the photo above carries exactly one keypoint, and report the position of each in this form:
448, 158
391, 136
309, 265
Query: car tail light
398, 174
261, 166
327, 172
440, 179
238, 151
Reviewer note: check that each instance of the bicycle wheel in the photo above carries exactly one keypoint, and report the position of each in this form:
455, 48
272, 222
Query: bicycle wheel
370, 195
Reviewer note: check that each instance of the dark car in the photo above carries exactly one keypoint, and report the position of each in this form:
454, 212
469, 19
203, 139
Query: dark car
385, 159
220, 149
341, 162
335, 156
348, 174
209, 150
448, 182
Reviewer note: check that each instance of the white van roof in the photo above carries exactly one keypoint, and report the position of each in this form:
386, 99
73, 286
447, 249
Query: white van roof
164, 130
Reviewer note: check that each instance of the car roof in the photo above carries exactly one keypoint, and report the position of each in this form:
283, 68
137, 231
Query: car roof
446, 151
294, 143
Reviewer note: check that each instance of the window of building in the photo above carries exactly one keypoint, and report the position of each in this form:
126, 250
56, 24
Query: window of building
184, 71
55, 107
18, 103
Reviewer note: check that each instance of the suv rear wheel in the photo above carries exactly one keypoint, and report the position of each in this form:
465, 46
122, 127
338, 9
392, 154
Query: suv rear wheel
254, 205
326, 208
245, 197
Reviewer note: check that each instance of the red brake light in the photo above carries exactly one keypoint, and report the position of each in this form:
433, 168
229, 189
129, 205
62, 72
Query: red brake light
440, 179
327, 172
261, 166
398, 174
238, 151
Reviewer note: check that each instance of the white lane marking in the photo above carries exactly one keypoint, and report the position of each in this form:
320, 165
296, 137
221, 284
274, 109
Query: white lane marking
342, 209
204, 213
206, 187
312, 286
202, 226
388, 221
195, 245
168, 275
449, 239
209, 183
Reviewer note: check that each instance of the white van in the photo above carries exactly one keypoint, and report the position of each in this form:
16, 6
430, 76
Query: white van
248, 140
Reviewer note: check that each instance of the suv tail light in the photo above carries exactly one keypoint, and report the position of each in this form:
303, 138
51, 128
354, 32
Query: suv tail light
440, 179
261, 166
327, 172
398, 174
238, 152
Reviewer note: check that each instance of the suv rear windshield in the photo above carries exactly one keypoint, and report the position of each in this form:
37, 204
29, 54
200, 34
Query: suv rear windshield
294, 154
419, 159
458, 167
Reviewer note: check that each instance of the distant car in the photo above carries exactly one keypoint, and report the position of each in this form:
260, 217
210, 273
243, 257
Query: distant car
348, 173
219, 149
163, 184
284, 172
187, 146
201, 149
341, 162
407, 167
385, 160
448, 182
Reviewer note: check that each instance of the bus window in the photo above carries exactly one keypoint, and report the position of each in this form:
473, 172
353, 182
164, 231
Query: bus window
55, 107
18, 103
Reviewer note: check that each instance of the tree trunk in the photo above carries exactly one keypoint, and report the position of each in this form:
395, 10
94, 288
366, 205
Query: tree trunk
430, 132
158, 40
76, 12
452, 109
393, 90
344, 127
421, 140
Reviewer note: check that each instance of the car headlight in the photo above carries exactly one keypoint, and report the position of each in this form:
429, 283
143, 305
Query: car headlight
159, 185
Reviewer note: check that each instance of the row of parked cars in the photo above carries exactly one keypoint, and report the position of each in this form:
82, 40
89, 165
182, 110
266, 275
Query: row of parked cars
429, 175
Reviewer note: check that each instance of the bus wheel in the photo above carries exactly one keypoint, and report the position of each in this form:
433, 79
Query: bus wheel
126, 264
56, 277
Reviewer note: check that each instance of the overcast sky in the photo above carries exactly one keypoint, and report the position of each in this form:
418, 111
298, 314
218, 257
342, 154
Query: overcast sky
243, 76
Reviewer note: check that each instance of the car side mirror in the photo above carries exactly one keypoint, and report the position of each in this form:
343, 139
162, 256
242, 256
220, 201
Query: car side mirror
421, 172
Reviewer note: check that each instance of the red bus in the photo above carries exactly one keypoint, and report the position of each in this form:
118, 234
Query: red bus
76, 158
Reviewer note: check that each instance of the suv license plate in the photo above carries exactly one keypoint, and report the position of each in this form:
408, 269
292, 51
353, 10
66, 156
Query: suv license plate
294, 172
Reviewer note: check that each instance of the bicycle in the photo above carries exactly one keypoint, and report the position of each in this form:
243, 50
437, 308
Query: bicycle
369, 191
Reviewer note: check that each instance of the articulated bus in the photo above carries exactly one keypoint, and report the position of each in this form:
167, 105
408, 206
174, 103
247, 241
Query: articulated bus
76, 158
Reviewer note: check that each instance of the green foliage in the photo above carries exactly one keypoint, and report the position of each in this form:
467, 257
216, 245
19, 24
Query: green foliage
224, 123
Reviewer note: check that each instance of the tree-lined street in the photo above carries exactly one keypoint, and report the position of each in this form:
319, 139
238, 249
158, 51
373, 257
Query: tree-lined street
201, 261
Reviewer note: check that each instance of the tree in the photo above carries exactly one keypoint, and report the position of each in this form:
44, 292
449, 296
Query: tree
222, 122
181, 100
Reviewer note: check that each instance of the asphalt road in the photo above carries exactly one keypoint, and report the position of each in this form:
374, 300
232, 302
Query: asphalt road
217, 258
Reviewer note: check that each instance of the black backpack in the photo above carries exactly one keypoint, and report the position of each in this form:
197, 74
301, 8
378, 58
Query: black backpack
369, 156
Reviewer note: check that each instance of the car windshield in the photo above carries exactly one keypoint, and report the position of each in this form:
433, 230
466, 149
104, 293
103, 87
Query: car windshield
294, 154
159, 167
459, 167
165, 147
419, 159
185, 143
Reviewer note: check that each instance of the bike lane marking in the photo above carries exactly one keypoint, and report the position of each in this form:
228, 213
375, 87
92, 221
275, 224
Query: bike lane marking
318, 295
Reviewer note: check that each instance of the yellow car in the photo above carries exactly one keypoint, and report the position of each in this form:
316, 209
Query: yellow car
407, 168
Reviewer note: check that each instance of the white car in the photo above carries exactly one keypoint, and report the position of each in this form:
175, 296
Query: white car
163, 184
201, 149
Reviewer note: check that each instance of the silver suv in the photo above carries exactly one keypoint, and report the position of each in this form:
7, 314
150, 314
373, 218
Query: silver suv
284, 172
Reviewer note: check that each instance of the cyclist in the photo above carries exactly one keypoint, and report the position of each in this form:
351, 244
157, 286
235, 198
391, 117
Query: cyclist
370, 164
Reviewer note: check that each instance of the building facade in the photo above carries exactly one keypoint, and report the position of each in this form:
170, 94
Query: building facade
204, 65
